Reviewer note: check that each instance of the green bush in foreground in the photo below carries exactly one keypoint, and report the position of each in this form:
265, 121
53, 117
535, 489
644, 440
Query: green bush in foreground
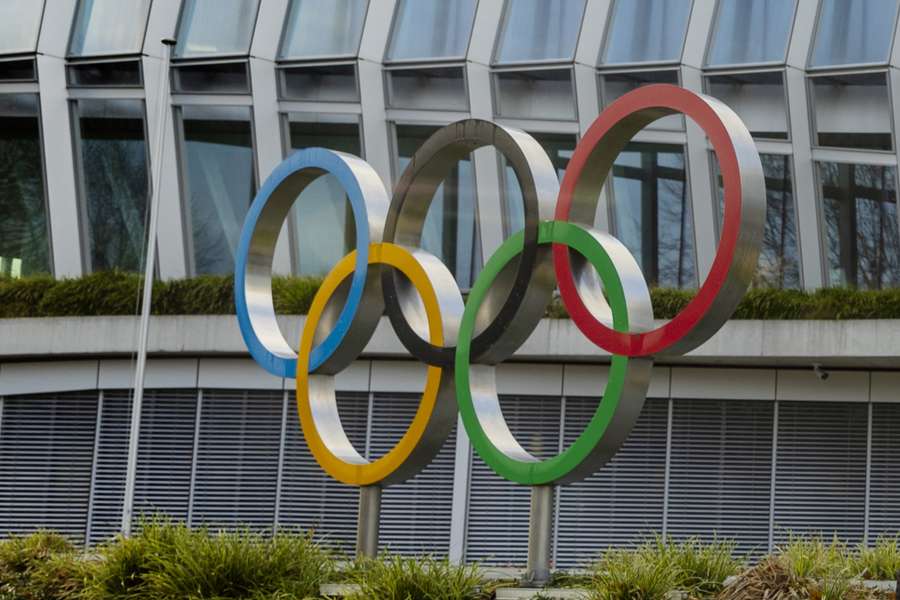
396, 578
116, 293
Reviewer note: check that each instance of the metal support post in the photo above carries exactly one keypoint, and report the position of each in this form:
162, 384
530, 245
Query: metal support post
369, 519
540, 535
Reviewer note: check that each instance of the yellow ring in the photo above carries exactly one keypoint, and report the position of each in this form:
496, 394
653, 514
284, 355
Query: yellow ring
369, 473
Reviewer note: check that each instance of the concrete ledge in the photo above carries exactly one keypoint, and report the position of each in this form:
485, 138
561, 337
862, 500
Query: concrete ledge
835, 344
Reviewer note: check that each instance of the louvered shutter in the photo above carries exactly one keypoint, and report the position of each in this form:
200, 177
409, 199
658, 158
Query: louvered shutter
165, 453
497, 525
623, 502
884, 491
237, 459
721, 472
310, 499
110, 464
46, 451
415, 515
821, 470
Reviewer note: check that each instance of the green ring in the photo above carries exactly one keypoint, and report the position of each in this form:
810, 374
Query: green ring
552, 470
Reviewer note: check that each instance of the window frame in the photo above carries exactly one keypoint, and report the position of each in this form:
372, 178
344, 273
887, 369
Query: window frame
179, 30
501, 30
714, 28
392, 31
184, 189
810, 68
280, 58
105, 56
81, 195
607, 35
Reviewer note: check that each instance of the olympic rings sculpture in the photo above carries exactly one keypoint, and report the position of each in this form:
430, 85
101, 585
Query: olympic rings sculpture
600, 285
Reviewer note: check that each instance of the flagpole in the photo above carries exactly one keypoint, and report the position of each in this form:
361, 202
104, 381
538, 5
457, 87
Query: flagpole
149, 269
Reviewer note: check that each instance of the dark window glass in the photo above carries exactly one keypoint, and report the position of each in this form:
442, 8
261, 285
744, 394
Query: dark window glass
751, 31
536, 94
647, 31
860, 209
109, 27
213, 78
218, 160
113, 168
852, 111
653, 213
779, 257
450, 231
559, 147
448, 21
323, 223
758, 98
433, 88
107, 74
535, 30
854, 32
319, 83
24, 240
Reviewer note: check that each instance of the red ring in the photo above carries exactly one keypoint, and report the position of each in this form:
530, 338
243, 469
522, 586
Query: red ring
652, 342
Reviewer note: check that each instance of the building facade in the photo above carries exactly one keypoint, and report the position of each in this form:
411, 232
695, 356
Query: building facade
740, 439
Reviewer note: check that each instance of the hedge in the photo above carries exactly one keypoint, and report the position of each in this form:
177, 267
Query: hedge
116, 293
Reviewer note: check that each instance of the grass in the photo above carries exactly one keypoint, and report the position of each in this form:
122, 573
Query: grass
398, 578
117, 293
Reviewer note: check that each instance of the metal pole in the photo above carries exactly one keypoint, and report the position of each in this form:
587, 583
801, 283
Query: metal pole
540, 532
368, 525
150, 267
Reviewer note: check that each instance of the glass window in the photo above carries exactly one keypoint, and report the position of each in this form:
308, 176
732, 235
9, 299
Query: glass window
450, 230
615, 85
322, 221
441, 88
113, 167
757, 97
535, 94
854, 32
539, 30
653, 213
109, 27
317, 28
751, 31
215, 27
449, 23
779, 257
219, 180
24, 239
852, 111
559, 147
20, 23
860, 210
647, 31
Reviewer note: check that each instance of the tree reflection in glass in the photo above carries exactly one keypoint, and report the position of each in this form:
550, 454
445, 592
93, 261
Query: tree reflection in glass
24, 240
779, 257
113, 167
653, 213
862, 236
220, 181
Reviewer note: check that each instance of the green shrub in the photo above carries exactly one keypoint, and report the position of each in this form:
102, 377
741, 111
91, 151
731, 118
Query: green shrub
881, 561
397, 578
631, 575
41, 566
814, 558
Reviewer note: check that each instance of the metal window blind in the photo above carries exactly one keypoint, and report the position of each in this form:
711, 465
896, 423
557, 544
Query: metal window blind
415, 515
110, 464
497, 524
821, 470
884, 507
46, 450
237, 459
165, 454
721, 472
621, 503
310, 499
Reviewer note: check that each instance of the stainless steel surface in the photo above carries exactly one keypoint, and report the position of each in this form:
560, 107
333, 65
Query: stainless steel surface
540, 535
531, 279
368, 523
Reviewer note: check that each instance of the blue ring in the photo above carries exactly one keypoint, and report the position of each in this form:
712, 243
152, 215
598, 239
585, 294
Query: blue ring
334, 164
